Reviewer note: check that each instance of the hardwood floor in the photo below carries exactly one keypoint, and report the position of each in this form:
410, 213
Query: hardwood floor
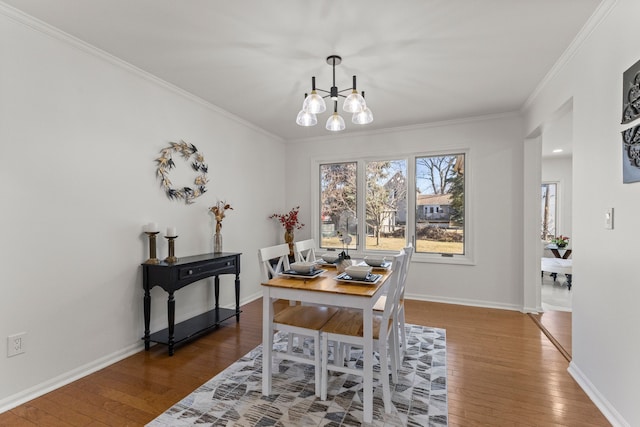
557, 326
502, 371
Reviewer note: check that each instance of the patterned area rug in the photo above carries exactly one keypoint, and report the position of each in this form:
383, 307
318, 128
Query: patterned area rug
234, 397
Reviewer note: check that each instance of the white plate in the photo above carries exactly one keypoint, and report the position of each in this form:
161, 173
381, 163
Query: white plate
324, 263
371, 279
384, 266
292, 273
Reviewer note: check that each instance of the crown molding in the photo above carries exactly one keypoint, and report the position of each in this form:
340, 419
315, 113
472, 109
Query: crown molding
601, 12
55, 33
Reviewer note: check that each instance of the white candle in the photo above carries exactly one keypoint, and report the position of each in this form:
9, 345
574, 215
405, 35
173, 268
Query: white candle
171, 232
152, 227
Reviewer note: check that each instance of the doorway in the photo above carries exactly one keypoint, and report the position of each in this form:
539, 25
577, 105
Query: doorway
556, 220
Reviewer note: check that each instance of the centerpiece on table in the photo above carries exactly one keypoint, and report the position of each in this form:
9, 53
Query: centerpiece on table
344, 260
290, 222
218, 211
560, 241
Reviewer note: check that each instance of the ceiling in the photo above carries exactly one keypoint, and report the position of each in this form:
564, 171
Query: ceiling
418, 61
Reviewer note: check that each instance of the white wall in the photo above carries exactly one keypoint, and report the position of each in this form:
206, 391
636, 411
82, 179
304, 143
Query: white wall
79, 134
495, 164
606, 343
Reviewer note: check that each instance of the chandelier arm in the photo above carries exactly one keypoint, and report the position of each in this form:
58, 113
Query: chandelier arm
344, 90
327, 96
322, 90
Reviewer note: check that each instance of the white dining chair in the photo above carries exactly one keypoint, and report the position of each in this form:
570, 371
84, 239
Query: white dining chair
305, 250
400, 316
299, 321
346, 327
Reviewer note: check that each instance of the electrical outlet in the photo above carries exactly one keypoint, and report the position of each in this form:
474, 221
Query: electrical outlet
16, 344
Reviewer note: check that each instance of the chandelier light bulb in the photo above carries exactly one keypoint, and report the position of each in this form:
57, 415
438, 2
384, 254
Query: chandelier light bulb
314, 103
335, 123
362, 117
305, 118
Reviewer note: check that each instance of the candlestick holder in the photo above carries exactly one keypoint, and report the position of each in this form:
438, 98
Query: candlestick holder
172, 249
152, 247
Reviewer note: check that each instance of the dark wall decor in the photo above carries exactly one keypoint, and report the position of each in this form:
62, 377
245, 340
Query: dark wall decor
631, 154
165, 162
631, 93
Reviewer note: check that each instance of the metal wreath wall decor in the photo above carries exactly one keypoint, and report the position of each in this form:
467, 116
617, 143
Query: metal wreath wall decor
165, 162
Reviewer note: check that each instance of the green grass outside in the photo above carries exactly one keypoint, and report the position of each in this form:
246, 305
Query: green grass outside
395, 244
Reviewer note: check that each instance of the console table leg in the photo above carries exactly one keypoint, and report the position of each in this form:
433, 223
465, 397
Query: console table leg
237, 282
147, 318
217, 292
171, 315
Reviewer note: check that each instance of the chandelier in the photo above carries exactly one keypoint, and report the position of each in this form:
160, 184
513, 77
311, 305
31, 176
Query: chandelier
314, 104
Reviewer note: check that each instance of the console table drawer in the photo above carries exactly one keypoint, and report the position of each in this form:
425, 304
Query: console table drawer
208, 269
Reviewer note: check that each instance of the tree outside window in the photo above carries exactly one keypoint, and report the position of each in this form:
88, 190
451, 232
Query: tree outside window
440, 204
548, 211
338, 204
386, 204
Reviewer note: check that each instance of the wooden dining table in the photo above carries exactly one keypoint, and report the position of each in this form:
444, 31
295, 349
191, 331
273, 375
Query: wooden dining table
324, 290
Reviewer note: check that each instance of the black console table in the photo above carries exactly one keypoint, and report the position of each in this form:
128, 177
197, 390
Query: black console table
177, 275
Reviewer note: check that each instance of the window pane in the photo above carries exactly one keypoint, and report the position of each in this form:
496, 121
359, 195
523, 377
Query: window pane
440, 204
386, 205
548, 211
338, 196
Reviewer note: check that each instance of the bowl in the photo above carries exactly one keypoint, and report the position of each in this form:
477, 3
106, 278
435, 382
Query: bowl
302, 267
358, 271
329, 257
374, 261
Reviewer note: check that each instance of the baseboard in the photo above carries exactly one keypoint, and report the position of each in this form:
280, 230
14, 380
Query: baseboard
467, 302
68, 377
82, 371
597, 398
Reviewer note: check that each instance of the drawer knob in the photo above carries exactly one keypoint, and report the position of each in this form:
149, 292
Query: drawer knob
190, 271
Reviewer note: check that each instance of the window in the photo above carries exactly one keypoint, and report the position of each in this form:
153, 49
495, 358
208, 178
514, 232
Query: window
386, 205
371, 201
440, 204
338, 207
548, 211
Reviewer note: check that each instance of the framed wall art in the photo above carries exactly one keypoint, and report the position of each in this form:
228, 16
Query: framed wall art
631, 155
631, 93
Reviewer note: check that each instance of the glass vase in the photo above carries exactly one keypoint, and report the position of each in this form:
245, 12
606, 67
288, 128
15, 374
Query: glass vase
217, 243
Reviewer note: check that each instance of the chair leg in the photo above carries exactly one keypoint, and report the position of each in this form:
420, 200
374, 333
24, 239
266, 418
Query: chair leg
393, 354
290, 343
384, 376
317, 362
324, 375
403, 332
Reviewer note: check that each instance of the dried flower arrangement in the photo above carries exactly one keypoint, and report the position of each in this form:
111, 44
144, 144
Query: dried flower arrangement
218, 210
289, 220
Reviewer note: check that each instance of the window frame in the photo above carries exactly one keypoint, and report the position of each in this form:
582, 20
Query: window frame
468, 258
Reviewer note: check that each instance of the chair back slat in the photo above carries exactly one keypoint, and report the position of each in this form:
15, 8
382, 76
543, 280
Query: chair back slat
304, 250
267, 256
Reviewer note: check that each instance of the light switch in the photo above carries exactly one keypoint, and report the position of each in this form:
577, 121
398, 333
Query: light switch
608, 219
